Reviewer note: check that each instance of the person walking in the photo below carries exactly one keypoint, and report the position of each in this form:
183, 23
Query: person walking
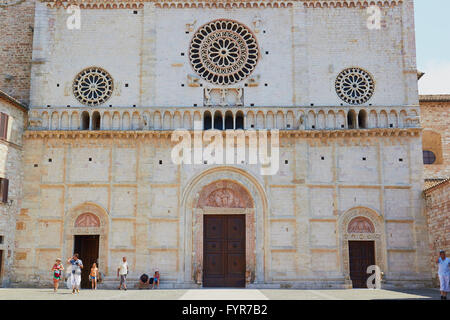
93, 276
75, 278
122, 272
57, 272
444, 274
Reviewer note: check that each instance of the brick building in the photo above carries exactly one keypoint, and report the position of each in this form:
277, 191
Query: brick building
13, 119
435, 119
105, 100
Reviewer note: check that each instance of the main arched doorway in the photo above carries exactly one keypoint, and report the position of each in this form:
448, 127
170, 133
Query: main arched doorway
224, 205
224, 215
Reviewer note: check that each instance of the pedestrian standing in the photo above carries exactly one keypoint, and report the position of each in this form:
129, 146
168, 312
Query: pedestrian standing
57, 272
122, 272
444, 274
75, 277
93, 276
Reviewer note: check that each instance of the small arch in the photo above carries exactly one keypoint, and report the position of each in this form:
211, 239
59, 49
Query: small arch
311, 120
116, 121
383, 119
96, 120
85, 120
136, 121
270, 120
218, 120
393, 119
207, 120
321, 120
126, 122
340, 120
362, 119
74, 121
229, 121
290, 120
280, 120
167, 121
177, 120
197, 120
106, 121
351, 119
65, 123
187, 123
402, 119
373, 119
146, 120
331, 120
240, 120
260, 120
250, 121
157, 120
55, 121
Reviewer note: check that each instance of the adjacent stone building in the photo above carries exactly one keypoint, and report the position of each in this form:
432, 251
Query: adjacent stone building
338, 88
435, 120
13, 115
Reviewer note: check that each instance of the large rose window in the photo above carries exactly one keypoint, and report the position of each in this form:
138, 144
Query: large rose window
223, 52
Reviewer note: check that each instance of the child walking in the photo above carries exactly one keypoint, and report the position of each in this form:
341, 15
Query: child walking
57, 272
93, 276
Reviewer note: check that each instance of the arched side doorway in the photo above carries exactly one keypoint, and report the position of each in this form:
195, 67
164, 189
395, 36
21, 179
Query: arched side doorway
224, 191
86, 231
363, 243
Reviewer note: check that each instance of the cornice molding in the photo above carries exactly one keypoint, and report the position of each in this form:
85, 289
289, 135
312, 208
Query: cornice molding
314, 134
219, 4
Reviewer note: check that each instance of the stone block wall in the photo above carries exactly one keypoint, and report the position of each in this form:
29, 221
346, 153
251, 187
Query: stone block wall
435, 119
16, 43
11, 168
438, 214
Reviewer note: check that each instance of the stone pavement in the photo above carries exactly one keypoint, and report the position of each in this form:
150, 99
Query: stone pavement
219, 294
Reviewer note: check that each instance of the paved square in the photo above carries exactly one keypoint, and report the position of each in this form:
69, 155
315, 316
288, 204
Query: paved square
218, 294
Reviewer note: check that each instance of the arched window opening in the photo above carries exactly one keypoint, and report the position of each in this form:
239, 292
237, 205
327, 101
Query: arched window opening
96, 121
207, 121
229, 123
240, 120
218, 121
351, 119
362, 119
429, 157
85, 120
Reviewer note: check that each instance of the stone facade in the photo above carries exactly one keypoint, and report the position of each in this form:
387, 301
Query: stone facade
11, 168
16, 41
438, 211
435, 119
347, 172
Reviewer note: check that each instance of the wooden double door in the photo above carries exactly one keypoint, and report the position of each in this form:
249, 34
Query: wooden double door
87, 247
361, 255
224, 251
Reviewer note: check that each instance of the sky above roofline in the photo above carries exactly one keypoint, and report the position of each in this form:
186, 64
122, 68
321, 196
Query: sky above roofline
433, 45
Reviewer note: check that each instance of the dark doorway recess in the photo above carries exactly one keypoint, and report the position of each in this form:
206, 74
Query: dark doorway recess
361, 255
87, 249
224, 251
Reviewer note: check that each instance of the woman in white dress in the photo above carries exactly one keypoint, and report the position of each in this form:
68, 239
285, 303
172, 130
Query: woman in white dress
75, 277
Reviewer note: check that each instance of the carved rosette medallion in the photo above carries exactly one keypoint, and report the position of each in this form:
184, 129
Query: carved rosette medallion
223, 52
